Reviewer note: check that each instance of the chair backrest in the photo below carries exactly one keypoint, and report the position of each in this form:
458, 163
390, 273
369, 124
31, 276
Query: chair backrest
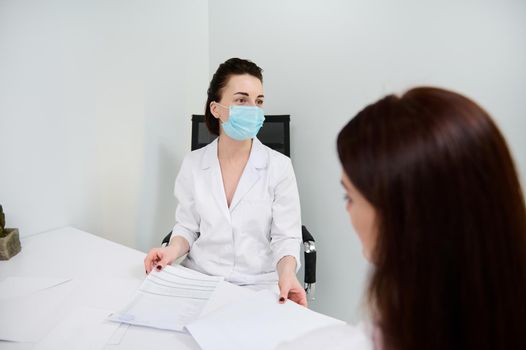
275, 133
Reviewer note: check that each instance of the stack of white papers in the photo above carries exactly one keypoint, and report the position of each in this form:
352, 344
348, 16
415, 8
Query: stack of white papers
169, 299
217, 314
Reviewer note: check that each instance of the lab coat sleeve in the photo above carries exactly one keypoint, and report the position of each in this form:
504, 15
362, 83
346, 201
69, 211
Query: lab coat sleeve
285, 231
186, 217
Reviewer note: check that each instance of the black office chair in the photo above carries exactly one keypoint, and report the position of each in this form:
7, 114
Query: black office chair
275, 134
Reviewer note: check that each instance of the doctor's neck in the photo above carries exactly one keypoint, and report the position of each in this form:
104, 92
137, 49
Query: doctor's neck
228, 148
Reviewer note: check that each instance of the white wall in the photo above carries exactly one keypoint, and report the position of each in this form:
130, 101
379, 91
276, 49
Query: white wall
95, 105
326, 60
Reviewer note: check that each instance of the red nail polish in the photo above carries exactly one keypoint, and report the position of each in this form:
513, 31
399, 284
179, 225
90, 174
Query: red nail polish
281, 300
159, 267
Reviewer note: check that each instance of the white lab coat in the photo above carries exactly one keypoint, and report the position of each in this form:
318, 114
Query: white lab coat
242, 243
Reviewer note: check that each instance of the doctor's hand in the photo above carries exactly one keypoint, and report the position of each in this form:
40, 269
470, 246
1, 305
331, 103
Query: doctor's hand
289, 286
158, 258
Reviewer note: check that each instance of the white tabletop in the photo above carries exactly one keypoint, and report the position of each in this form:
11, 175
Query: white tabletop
105, 275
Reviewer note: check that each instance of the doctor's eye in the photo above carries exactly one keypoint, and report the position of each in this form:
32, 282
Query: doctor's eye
241, 100
346, 198
259, 102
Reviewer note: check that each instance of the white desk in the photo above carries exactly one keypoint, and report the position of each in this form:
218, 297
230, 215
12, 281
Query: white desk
90, 261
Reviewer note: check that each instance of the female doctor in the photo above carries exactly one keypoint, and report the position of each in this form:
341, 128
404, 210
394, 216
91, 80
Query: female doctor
239, 212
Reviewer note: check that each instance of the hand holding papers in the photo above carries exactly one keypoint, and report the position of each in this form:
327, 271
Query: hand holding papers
169, 299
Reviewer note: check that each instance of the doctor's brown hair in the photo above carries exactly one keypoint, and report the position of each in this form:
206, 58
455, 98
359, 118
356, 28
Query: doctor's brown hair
450, 259
233, 66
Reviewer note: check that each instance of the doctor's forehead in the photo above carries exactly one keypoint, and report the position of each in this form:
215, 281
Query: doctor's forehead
244, 84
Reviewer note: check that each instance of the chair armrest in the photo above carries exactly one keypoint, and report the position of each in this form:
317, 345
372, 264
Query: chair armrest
309, 252
166, 239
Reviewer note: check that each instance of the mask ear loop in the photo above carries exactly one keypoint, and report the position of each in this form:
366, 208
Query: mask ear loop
219, 104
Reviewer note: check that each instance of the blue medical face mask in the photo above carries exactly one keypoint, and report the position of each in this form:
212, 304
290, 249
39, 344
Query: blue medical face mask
243, 122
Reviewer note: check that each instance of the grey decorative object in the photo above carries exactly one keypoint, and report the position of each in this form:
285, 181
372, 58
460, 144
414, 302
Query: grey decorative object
9, 239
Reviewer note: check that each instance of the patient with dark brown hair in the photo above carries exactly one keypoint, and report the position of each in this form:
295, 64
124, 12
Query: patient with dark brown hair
435, 199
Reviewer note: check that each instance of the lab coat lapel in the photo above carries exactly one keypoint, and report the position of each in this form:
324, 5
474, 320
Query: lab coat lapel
257, 160
211, 169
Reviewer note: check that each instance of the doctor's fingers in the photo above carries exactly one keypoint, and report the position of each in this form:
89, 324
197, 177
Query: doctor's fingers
165, 258
292, 289
284, 290
151, 260
299, 297
161, 264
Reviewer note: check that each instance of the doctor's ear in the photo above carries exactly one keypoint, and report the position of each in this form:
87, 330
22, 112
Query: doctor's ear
214, 109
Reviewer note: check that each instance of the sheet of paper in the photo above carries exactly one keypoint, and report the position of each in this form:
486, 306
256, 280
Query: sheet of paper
256, 322
104, 293
169, 299
85, 328
22, 286
29, 318
119, 334
224, 294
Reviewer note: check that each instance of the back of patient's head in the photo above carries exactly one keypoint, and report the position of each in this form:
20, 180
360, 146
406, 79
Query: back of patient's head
450, 258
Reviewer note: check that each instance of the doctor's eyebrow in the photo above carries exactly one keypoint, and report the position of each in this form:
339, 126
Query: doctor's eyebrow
245, 94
